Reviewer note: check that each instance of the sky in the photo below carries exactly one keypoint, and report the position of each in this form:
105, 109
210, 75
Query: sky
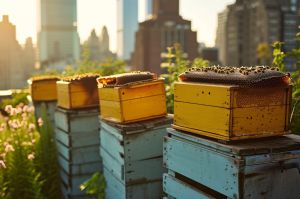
97, 13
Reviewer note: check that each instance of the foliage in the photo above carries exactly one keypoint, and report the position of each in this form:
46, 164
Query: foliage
279, 57
95, 186
18, 140
109, 66
28, 165
46, 158
17, 98
176, 65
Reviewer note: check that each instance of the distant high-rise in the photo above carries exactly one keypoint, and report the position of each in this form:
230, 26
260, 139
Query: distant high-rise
15, 64
58, 41
148, 8
164, 29
98, 46
220, 42
127, 25
252, 26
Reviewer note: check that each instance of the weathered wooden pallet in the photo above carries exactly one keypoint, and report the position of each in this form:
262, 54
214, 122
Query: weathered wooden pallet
115, 189
76, 121
261, 169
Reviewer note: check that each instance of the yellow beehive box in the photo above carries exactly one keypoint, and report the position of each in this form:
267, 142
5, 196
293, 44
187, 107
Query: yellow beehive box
133, 102
78, 92
228, 112
43, 88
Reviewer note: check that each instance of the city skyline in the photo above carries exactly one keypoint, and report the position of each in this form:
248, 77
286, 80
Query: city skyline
26, 22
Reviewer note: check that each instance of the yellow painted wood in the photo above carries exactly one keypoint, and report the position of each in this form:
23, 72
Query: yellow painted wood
258, 120
73, 95
256, 97
111, 110
206, 118
206, 94
231, 113
43, 90
133, 102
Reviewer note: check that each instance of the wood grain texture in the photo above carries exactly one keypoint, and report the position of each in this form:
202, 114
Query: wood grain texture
231, 112
243, 170
133, 102
43, 90
76, 95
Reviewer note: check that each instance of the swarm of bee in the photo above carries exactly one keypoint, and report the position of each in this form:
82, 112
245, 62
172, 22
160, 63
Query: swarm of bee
81, 77
125, 78
255, 75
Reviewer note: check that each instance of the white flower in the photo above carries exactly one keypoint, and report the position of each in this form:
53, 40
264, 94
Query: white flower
2, 164
40, 122
30, 156
9, 148
31, 127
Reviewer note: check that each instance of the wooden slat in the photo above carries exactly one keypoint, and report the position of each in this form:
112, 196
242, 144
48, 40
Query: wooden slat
258, 121
205, 94
203, 166
144, 108
76, 121
210, 119
245, 147
43, 90
133, 172
124, 104
180, 190
116, 189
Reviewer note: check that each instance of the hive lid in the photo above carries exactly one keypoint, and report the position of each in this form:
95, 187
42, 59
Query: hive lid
126, 78
241, 76
43, 78
81, 77
245, 147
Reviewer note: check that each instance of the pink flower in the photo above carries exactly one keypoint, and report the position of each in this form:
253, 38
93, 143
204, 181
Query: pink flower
40, 122
30, 109
30, 156
13, 111
9, 148
25, 108
14, 124
2, 164
8, 108
31, 127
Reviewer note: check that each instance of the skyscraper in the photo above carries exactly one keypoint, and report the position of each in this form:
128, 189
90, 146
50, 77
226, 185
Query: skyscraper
58, 41
127, 25
16, 64
220, 42
148, 8
252, 26
164, 29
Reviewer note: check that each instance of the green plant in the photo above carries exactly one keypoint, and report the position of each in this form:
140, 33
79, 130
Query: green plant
95, 186
279, 57
46, 157
18, 138
17, 98
177, 64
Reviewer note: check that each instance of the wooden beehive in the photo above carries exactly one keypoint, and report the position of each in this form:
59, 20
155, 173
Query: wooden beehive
202, 168
78, 92
133, 102
132, 157
230, 112
43, 88
77, 140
